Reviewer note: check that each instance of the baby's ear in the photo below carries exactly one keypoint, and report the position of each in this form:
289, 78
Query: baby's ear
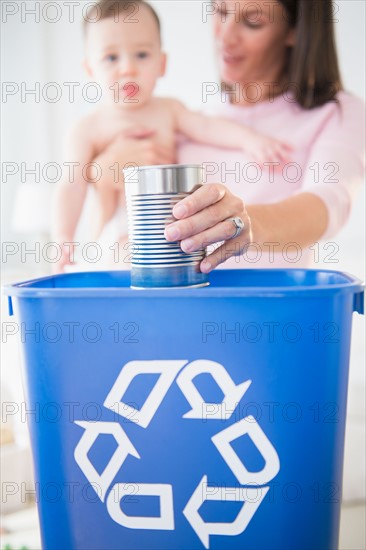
163, 64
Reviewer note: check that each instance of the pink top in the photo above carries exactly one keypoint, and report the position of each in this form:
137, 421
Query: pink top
328, 160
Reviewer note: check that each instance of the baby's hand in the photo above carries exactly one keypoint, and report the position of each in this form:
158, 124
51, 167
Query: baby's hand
266, 149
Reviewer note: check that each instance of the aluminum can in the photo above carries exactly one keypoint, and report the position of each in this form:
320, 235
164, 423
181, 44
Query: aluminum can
151, 193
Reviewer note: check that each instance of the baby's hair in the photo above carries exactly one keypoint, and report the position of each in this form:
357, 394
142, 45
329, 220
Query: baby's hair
125, 9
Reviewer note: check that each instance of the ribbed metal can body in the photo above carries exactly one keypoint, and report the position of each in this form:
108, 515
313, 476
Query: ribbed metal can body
151, 193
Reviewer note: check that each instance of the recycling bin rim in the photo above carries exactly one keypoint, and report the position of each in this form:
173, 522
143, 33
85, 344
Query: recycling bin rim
45, 287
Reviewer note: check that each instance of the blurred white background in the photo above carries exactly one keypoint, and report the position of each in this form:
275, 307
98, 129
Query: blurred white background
37, 53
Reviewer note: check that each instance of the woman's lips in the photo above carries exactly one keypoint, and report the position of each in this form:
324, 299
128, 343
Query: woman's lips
231, 59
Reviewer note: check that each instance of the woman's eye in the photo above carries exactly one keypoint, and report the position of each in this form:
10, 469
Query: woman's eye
142, 55
221, 12
111, 57
252, 24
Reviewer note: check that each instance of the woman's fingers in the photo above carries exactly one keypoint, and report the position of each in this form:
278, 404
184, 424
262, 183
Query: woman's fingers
139, 132
206, 217
201, 217
164, 155
140, 152
123, 151
147, 153
198, 212
228, 249
204, 196
222, 231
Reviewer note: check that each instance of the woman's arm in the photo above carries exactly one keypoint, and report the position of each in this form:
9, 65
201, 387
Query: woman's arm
301, 219
318, 210
204, 218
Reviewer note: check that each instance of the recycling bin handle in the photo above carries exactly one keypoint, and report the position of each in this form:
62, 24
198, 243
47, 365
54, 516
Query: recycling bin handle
10, 306
359, 302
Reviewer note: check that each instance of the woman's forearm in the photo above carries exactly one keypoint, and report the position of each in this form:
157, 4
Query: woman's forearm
206, 216
301, 219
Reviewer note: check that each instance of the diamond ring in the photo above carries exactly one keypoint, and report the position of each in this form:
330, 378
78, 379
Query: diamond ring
238, 224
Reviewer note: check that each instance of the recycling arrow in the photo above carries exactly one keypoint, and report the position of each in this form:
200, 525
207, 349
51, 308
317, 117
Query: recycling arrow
200, 409
164, 521
143, 416
101, 482
248, 426
251, 498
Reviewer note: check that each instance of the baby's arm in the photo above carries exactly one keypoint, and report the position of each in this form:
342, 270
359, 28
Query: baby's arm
226, 133
71, 192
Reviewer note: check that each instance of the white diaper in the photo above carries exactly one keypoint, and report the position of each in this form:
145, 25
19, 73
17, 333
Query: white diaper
108, 251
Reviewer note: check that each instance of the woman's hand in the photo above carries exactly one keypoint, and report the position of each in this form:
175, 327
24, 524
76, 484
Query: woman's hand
204, 218
136, 146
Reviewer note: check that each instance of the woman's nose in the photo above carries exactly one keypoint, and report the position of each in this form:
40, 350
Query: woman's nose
227, 30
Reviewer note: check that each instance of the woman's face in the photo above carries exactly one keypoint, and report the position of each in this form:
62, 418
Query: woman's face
252, 40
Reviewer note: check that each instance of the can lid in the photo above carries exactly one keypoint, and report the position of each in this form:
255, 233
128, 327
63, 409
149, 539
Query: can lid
165, 167
162, 179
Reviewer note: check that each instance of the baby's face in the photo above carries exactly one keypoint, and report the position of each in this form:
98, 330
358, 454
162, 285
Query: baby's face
125, 57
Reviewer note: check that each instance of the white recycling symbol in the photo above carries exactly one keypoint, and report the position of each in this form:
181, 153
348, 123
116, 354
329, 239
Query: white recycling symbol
183, 373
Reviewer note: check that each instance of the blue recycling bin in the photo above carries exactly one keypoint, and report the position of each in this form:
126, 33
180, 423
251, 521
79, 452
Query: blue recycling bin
188, 418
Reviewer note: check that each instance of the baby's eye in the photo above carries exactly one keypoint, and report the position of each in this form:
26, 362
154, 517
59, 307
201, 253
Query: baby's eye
142, 55
111, 57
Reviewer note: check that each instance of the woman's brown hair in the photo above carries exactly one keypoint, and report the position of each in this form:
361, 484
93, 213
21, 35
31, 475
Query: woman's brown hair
313, 68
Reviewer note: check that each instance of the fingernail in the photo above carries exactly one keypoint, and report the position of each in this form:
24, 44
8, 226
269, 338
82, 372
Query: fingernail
188, 244
179, 211
206, 266
172, 232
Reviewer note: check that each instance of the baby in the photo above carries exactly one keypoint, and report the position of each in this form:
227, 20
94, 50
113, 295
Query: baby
124, 55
